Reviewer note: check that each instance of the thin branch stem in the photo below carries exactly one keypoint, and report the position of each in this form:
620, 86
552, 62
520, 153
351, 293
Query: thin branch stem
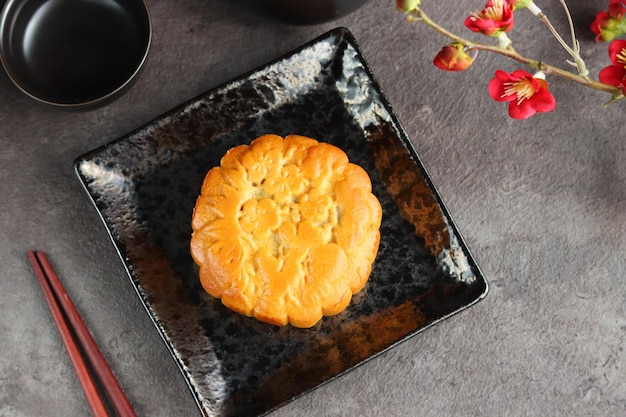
556, 34
574, 50
570, 22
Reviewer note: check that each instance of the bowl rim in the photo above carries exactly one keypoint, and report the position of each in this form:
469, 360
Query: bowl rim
86, 103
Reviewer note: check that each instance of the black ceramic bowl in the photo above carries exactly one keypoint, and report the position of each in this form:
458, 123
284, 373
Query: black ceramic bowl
74, 52
305, 12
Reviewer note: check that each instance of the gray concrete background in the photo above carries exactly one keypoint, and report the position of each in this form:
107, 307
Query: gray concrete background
541, 203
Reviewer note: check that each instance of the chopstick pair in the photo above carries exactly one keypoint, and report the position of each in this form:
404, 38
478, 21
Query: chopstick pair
67, 319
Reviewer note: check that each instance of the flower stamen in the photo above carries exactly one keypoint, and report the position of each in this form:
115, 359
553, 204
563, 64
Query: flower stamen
621, 57
523, 89
493, 12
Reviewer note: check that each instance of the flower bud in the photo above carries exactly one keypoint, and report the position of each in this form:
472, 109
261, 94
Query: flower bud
408, 5
453, 58
520, 4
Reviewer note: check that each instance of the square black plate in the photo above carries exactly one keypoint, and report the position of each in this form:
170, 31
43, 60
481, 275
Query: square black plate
145, 184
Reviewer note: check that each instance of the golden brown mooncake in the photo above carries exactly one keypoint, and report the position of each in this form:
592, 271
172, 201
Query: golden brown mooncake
285, 230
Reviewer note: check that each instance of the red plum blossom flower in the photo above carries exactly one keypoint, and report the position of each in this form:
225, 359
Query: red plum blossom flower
612, 23
604, 27
496, 17
526, 94
615, 74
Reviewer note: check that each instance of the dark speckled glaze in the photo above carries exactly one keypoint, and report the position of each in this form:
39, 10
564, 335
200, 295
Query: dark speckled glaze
145, 185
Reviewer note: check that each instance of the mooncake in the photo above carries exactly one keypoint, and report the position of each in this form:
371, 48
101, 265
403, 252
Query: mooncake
285, 230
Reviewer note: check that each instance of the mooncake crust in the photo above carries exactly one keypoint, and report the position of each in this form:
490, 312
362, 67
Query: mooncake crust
285, 230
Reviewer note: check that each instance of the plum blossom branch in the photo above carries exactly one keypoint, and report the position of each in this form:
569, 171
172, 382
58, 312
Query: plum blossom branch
494, 21
570, 23
420, 15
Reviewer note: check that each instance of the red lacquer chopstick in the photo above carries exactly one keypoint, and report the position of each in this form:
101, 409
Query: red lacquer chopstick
53, 290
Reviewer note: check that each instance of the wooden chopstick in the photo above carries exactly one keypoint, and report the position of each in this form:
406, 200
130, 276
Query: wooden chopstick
59, 302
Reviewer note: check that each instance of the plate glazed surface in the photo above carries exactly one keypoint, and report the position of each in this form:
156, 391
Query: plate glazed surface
145, 184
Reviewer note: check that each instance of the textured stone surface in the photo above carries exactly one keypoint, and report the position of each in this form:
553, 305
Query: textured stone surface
541, 203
